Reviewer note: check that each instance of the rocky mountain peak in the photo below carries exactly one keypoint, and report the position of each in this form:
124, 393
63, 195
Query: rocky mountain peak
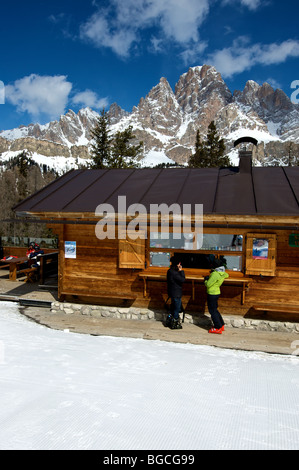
159, 93
202, 90
167, 121
268, 103
116, 113
159, 110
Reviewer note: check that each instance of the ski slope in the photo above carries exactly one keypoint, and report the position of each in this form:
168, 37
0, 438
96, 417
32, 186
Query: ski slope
62, 390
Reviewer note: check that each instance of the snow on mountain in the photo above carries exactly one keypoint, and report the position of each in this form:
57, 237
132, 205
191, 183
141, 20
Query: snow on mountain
59, 164
167, 122
154, 158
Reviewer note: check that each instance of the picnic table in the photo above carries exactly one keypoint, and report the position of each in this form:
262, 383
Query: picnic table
23, 265
14, 266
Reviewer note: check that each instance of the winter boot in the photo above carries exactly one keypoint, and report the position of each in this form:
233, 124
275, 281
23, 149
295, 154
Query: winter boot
176, 325
216, 331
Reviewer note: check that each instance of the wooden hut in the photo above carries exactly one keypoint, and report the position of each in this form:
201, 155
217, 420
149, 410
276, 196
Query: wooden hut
250, 220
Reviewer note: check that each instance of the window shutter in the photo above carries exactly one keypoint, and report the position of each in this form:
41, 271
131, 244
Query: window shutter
266, 263
132, 253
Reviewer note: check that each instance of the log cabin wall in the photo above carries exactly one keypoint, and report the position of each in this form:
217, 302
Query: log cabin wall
283, 288
95, 276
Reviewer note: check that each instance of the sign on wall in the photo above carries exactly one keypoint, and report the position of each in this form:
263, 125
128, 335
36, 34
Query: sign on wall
294, 240
260, 248
70, 249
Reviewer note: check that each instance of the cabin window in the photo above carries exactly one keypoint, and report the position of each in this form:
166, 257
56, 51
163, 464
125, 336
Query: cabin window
196, 253
177, 241
234, 263
210, 241
159, 259
223, 242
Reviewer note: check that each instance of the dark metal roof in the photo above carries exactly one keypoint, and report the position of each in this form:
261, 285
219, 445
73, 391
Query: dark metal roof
264, 191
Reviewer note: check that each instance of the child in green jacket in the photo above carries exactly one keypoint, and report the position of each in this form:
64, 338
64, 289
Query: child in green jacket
213, 284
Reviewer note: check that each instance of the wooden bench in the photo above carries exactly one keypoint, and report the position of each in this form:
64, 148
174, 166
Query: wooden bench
31, 274
15, 266
279, 308
124, 297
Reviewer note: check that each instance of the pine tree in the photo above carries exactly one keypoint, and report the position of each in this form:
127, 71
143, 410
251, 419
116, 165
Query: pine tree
100, 149
23, 162
198, 159
215, 147
113, 152
124, 155
209, 153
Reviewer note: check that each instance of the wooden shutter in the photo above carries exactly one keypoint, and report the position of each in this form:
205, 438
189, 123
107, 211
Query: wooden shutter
265, 265
132, 253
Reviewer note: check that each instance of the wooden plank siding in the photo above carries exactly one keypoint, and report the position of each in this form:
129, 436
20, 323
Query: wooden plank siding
96, 272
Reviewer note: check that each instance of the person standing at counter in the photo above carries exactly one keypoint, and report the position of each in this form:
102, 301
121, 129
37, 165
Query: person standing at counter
213, 283
175, 280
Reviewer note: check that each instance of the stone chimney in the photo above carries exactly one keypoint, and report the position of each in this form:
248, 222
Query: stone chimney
245, 163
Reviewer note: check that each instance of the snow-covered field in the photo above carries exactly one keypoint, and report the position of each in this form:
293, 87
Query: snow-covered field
62, 390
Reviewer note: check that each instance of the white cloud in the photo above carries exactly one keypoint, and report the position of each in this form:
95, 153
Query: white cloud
2, 93
119, 27
90, 98
250, 4
180, 20
40, 95
56, 18
190, 55
278, 53
100, 32
273, 82
242, 56
46, 97
156, 45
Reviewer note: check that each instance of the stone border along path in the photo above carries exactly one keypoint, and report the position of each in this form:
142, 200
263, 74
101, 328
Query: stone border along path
133, 313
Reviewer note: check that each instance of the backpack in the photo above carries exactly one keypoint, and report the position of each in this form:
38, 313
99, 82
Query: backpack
169, 308
172, 323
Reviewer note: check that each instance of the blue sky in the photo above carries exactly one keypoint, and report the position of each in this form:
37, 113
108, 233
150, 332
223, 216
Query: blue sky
68, 54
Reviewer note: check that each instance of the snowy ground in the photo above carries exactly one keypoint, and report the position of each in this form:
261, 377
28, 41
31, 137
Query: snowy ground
62, 390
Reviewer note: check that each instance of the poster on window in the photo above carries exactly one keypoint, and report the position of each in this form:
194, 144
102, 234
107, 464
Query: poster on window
260, 248
70, 249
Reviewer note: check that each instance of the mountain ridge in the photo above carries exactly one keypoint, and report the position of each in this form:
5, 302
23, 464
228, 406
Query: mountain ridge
167, 120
